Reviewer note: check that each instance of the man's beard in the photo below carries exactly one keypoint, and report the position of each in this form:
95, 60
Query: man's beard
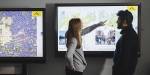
119, 26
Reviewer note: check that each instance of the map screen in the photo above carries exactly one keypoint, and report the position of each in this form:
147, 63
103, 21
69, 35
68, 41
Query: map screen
102, 38
21, 34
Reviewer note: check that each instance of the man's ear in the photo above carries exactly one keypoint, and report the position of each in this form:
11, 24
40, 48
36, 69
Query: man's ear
125, 23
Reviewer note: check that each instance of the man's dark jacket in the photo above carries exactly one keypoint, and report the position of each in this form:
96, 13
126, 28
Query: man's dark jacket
126, 53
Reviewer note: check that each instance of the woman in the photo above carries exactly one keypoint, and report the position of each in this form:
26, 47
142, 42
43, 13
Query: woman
76, 62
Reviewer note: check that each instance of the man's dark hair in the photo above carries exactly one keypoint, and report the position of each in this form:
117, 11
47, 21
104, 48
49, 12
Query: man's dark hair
125, 15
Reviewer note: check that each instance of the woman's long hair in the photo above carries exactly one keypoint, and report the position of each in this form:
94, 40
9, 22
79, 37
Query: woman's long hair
74, 31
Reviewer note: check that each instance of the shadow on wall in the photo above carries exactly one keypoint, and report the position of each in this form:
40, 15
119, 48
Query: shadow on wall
95, 66
148, 72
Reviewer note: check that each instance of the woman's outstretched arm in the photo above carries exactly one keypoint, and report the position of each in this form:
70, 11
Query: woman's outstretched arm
92, 27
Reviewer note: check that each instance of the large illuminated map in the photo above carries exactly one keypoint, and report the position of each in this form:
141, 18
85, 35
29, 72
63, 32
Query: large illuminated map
102, 38
18, 34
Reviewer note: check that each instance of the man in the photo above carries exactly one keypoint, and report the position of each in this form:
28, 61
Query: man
127, 48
